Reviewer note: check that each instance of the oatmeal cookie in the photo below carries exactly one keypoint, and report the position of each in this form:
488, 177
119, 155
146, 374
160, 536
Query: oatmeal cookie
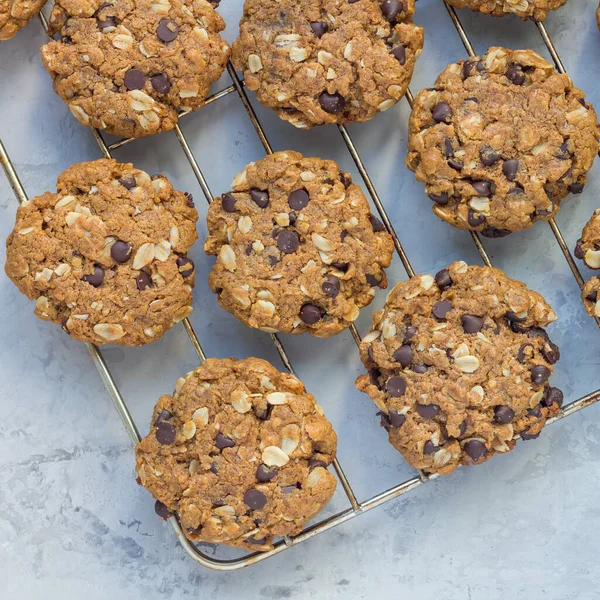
526, 9
500, 141
588, 245
459, 366
590, 298
105, 256
15, 14
327, 61
240, 453
127, 67
298, 249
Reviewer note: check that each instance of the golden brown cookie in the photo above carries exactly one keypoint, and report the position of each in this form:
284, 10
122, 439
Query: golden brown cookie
327, 61
129, 66
105, 256
500, 141
526, 9
240, 452
459, 366
15, 14
589, 295
588, 245
297, 247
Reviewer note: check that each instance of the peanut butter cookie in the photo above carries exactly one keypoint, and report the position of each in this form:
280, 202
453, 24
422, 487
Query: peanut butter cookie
500, 141
526, 9
15, 14
298, 249
129, 66
240, 453
327, 61
105, 256
459, 366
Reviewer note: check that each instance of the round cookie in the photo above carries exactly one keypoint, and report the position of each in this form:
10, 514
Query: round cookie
298, 249
526, 9
128, 67
240, 453
588, 245
500, 141
105, 256
15, 14
327, 61
590, 298
459, 366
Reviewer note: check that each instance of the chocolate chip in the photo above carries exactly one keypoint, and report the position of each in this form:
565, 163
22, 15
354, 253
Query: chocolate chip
427, 411
488, 156
409, 334
550, 352
391, 9
340, 266
475, 449
346, 179
420, 369
108, 22
462, 427
578, 252
399, 53
161, 510
143, 281
161, 83
167, 30
260, 197
252, 540
539, 374
376, 224
134, 79
535, 411
288, 242
510, 168
441, 199
521, 352
473, 220
319, 28
447, 147
513, 317
165, 433
298, 199
372, 280
163, 415
228, 202
503, 414
403, 355
456, 164
332, 103
396, 419
592, 296
331, 285
214, 468
288, 489
576, 188
515, 75
313, 463
254, 499
96, 278
563, 151
374, 375
429, 447
264, 473
441, 112
222, 441
469, 66
493, 232
120, 251
189, 199
441, 308
482, 187
128, 182
553, 396
471, 323
310, 314
395, 386
443, 280
186, 265
529, 436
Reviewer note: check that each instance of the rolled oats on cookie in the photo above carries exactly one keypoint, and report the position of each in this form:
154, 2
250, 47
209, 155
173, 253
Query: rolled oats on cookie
15, 14
500, 140
297, 247
240, 453
327, 61
526, 9
458, 365
105, 255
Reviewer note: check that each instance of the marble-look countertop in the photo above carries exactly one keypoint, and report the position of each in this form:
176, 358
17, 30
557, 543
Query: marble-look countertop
74, 524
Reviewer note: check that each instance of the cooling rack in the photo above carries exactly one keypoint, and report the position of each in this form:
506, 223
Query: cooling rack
356, 507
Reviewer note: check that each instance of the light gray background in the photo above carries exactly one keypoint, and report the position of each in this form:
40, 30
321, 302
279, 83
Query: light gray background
73, 523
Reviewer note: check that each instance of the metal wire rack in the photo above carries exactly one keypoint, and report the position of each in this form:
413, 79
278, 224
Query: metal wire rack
356, 507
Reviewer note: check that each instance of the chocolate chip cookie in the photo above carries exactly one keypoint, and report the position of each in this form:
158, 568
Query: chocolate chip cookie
240, 453
590, 298
458, 364
500, 141
129, 66
327, 61
297, 247
105, 255
588, 245
526, 9
15, 14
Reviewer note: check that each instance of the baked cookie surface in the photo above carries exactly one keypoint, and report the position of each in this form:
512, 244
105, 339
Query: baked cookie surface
105, 256
129, 66
588, 245
459, 366
327, 61
526, 9
240, 453
297, 247
500, 141
590, 298
15, 14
